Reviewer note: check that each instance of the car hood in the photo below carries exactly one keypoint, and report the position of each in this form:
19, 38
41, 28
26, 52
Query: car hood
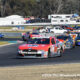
34, 46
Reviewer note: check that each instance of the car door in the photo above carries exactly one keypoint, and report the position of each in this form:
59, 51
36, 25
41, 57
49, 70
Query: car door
54, 46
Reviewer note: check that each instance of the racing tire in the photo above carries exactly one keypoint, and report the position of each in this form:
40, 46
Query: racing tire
61, 52
73, 46
49, 53
23, 38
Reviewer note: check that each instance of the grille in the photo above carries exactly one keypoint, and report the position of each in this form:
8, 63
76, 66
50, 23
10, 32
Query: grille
37, 55
29, 50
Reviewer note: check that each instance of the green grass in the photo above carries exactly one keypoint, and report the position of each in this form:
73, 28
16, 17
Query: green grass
5, 27
3, 42
31, 27
26, 27
15, 31
12, 37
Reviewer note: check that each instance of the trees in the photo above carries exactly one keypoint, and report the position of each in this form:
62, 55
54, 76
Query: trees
38, 8
55, 6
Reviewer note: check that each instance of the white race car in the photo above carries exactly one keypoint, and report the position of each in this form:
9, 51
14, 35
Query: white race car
58, 30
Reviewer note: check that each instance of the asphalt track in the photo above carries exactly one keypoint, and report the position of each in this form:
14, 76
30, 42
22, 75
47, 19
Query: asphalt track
8, 57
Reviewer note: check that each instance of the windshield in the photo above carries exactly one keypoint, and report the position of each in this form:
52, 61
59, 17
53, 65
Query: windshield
39, 41
35, 33
62, 37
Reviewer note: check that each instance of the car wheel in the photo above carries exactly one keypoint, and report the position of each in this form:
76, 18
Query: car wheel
60, 52
23, 38
73, 46
49, 53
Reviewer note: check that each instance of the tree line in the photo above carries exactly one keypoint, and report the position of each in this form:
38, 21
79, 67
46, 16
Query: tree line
38, 8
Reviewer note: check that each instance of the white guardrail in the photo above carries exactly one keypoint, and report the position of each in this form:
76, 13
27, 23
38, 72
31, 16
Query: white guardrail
29, 24
41, 24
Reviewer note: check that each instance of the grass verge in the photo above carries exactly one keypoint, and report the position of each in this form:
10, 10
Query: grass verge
13, 37
38, 72
25, 27
3, 42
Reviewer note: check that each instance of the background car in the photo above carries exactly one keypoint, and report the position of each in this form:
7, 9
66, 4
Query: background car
68, 41
45, 29
67, 27
77, 29
73, 36
26, 36
1, 35
35, 35
78, 40
58, 30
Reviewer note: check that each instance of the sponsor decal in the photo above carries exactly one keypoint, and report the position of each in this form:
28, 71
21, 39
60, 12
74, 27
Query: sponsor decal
52, 48
34, 45
55, 49
29, 45
42, 45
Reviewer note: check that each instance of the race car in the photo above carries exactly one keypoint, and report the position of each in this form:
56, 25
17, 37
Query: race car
78, 40
67, 27
73, 36
76, 29
41, 48
58, 30
35, 35
45, 30
78, 34
68, 41
26, 36
1, 35
29, 35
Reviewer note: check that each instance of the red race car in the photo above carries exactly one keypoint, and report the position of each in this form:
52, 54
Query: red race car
68, 28
41, 48
35, 35
29, 35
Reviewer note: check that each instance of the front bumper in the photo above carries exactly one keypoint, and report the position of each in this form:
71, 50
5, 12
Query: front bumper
32, 55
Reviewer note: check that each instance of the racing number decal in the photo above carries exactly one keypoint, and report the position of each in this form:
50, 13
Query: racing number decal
55, 49
54, 45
